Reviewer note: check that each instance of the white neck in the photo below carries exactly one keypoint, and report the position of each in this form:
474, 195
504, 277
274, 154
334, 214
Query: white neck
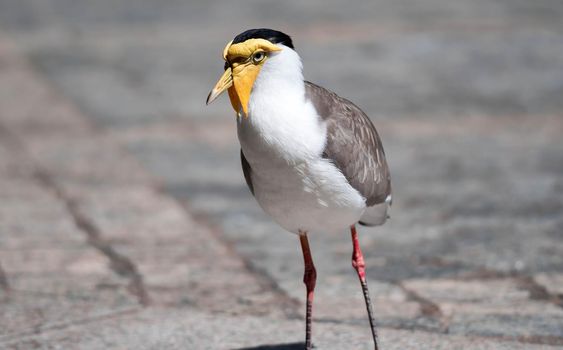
280, 121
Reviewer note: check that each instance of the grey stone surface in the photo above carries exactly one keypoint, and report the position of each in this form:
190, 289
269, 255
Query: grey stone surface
173, 330
50, 275
466, 95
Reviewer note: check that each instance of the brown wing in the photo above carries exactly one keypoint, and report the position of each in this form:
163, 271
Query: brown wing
353, 144
247, 170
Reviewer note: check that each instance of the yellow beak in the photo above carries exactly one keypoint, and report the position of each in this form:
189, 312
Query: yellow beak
225, 82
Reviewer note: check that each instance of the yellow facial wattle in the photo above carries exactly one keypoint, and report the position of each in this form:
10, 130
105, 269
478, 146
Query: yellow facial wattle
245, 61
244, 76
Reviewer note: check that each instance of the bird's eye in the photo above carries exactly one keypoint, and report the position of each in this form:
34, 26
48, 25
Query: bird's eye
258, 56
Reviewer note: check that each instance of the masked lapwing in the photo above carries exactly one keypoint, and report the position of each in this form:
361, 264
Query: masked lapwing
312, 159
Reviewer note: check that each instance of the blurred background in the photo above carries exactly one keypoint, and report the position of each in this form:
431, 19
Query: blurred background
125, 221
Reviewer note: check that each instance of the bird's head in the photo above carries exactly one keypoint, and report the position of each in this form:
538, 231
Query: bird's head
244, 57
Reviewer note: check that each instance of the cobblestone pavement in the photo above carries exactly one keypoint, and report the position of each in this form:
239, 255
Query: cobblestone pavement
124, 218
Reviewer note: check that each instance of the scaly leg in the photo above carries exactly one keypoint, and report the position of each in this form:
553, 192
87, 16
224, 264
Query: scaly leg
359, 265
310, 279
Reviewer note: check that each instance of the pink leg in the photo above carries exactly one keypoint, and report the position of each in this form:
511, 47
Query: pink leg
310, 279
360, 266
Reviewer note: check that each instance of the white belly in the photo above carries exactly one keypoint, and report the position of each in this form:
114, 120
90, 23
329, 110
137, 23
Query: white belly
300, 194
307, 197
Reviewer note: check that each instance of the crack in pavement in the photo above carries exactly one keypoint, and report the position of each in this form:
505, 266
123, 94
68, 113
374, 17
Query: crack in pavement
427, 307
537, 291
290, 306
4, 284
119, 263
525, 282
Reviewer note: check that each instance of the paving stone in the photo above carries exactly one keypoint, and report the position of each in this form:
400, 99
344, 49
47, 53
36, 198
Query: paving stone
50, 274
553, 282
544, 328
494, 307
177, 330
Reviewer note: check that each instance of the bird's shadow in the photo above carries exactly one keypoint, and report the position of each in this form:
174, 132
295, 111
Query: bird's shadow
291, 346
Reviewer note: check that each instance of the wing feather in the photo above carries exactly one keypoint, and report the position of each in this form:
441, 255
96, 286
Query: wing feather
353, 144
247, 171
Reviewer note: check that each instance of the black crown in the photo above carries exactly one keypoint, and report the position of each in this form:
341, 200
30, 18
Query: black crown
271, 35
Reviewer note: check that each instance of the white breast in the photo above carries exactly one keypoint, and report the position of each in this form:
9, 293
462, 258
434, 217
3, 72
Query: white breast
283, 139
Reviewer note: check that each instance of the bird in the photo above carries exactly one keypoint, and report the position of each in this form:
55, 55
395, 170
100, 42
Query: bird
313, 160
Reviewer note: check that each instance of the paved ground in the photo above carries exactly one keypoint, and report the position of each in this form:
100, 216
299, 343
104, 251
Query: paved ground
125, 221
